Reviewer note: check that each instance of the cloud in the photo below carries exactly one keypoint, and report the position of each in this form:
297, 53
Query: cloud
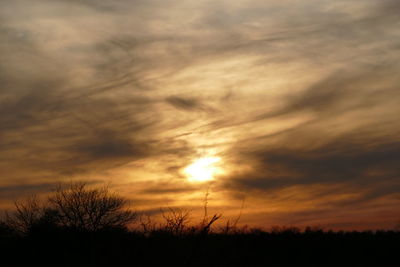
336, 162
133, 86
187, 104
344, 91
344, 174
8, 192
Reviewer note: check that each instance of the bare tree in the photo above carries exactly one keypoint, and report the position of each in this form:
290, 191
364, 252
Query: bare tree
80, 207
27, 213
176, 220
75, 206
147, 224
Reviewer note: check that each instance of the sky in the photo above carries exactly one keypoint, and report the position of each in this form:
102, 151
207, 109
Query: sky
284, 111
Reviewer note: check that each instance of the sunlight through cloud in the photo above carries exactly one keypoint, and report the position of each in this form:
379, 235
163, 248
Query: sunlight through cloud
203, 169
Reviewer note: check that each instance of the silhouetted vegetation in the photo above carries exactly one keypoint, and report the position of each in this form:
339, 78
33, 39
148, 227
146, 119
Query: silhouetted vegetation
79, 226
74, 207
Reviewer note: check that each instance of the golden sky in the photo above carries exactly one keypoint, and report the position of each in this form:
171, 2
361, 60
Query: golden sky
289, 108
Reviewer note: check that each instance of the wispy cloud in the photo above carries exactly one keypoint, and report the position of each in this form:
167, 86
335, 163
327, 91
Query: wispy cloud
291, 94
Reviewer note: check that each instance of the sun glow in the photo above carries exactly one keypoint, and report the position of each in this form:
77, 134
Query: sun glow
203, 169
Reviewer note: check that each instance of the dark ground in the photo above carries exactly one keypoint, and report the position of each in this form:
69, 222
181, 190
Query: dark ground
287, 247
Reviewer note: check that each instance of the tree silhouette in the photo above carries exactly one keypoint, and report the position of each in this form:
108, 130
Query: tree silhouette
75, 206
176, 220
79, 207
27, 213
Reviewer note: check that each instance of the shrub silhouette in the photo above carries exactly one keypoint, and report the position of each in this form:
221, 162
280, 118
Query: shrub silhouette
86, 209
75, 206
176, 220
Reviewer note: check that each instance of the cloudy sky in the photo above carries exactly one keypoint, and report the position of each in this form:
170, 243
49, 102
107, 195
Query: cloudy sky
289, 109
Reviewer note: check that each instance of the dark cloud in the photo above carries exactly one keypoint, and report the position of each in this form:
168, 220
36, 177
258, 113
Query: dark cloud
77, 132
13, 191
344, 91
45, 129
358, 166
183, 103
188, 104
168, 189
350, 144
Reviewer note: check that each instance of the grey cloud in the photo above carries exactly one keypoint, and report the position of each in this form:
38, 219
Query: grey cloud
372, 90
49, 124
183, 103
320, 34
19, 191
168, 188
106, 145
78, 137
343, 91
13, 191
188, 104
369, 167
48, 127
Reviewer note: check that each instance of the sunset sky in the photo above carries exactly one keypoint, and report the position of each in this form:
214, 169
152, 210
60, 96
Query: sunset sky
287, 109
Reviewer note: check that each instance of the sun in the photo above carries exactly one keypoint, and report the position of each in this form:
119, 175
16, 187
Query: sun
203, 169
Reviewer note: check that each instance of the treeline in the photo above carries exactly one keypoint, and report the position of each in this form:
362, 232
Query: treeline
82, 226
